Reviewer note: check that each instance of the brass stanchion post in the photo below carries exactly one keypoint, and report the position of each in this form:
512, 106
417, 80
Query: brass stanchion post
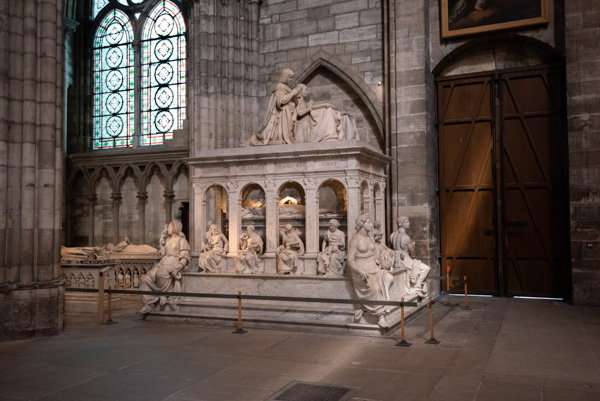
403, 342
466, 307
101, 298
109, 321
448, 286
239, 330
432, 340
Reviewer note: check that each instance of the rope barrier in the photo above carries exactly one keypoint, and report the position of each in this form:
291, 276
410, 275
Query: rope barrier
239, 297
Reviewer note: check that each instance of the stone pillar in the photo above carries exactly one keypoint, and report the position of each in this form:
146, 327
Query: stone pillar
353, 191
91, 201
583, 92
380, 205
31, 107
272, 221
169, 197
142, 199
312, 218
199, 216
233, 195
116, 203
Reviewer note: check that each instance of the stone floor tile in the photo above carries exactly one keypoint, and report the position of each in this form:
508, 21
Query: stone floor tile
308, 372
555, 394
223, 342
182, 364
451, 388
322, 349
212, 391
121, 386
28, 380
498, 391
383, 385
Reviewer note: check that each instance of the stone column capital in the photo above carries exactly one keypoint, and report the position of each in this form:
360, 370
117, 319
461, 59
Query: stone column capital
116, 197
142, 196
169, 195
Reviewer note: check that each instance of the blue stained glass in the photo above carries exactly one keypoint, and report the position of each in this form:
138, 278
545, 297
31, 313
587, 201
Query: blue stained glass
163, 73
162, 79
98, 6
113, 65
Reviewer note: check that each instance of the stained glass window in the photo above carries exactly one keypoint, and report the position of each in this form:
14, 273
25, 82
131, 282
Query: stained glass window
163, 73
122, 116
98, 6
113, 101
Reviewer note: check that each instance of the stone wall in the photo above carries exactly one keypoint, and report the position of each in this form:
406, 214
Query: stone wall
583, 100
31, 76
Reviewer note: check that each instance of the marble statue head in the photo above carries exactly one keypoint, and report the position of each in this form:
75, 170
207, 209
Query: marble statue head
177, 226
334, 224
287, 76
361, 220
403, 222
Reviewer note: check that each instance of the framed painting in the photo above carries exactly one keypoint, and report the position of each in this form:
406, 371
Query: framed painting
468, 17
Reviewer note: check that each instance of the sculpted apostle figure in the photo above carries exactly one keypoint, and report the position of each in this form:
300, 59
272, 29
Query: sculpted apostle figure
215, 246
331, 259
165, 276
403, 247
251, 245
371, 282
278, 126
290, 249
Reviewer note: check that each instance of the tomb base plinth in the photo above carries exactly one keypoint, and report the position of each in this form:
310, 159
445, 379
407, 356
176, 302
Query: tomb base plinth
282, 314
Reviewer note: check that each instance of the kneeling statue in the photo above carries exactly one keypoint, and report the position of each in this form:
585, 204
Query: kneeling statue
165, 276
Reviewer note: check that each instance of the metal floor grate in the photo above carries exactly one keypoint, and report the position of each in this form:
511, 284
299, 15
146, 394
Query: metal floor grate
301, 391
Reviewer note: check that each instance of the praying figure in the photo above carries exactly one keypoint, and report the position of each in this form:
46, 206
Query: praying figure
316, 122
278, 126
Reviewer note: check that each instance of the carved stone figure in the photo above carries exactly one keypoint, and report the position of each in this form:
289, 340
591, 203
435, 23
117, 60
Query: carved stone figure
385, 255
215, 246
403, 247
371, 282
316, 122
251, 245
290, 249
107, 251
331, 259
278, 126
165, 276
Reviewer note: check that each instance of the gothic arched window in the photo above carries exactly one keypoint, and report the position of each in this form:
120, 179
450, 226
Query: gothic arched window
139, 72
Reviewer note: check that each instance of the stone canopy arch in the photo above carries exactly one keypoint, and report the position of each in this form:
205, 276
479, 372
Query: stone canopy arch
499, 52
353, 85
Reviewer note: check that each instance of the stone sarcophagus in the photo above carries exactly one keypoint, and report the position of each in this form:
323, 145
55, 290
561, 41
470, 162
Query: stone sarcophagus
278, 187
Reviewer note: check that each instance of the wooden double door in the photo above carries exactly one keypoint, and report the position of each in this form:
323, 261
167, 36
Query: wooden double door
503, 199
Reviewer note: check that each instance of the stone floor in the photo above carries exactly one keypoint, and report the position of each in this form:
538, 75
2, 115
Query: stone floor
503, 349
